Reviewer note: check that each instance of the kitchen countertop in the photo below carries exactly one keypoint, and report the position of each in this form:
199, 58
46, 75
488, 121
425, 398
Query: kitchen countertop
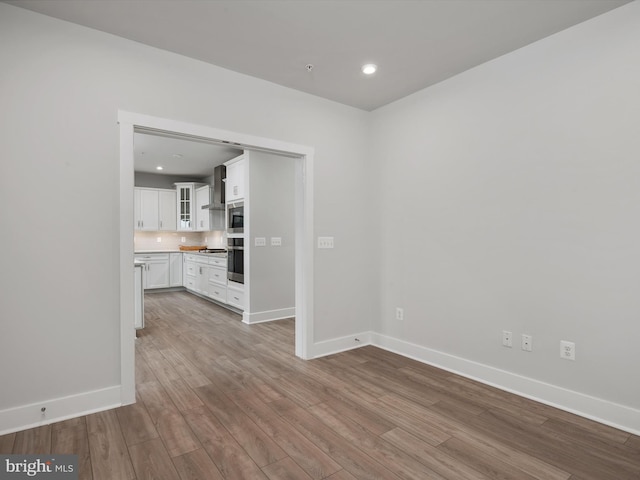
192, 252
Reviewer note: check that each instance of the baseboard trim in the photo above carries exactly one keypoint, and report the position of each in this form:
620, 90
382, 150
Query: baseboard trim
341, 344
603, 411
268, 315
58, 409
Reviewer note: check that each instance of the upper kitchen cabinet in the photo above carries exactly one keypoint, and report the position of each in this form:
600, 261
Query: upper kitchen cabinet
185, 206
145, 208
203, 215
235, 179
167, 216
190, 198
154, 209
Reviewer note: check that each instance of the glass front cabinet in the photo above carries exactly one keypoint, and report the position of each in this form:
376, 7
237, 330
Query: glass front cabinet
186, 212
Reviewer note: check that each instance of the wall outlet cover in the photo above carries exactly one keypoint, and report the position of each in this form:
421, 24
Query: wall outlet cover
325, 242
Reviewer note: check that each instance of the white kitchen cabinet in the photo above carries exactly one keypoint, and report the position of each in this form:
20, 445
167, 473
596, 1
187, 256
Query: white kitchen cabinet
235, 179
145, 208
235, 295
196, 273
154, 209
184, 206
175, 270
167, 215
138, 319
218, 279
203, 216
187, 206
156, 270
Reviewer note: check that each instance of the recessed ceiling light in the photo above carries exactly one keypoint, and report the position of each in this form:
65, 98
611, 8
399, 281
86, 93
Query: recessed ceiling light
369, 69
159, 167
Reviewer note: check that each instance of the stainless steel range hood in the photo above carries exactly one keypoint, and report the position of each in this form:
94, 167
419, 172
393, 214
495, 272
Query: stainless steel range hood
218, 200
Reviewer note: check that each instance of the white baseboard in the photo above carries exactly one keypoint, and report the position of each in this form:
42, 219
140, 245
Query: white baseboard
268, 315
342, 344
58, 409
603, 411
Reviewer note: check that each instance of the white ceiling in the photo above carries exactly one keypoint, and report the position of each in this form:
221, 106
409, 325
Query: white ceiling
415, 43
178, 156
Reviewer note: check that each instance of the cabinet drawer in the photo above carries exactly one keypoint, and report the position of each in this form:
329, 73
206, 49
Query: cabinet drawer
235, 298
190, 283
218, 292
218, 275
218, 262
151, 256
190, 269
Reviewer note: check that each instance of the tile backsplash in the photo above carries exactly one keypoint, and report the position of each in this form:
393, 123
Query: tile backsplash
173, 240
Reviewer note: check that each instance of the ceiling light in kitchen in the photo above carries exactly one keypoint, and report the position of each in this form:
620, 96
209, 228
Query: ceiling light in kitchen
369, 69
159, 167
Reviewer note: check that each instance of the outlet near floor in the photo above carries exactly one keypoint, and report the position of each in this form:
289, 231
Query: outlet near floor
527, 342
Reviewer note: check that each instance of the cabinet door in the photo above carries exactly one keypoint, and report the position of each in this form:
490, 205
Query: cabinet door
235, 181
167, 210
203, 197
202, 279
175, 269
148, 209
157, 274
137, 205
184, 205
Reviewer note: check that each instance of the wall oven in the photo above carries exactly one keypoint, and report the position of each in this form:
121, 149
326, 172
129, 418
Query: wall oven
235, 259
235, 217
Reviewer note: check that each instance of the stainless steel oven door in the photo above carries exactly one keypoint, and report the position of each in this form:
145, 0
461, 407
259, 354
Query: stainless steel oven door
235, 260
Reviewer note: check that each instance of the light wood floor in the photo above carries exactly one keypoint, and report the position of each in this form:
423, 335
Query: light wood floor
218, 399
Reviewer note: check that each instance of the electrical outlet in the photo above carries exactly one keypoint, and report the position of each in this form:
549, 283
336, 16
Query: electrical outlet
260, 241
567, 350
183, 239
527, 342
325, 242
507, 338
159, 239
276, 241
399, 313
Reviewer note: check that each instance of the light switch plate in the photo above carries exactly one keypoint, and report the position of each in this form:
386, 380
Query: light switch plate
325, 242
260, 242
276, 241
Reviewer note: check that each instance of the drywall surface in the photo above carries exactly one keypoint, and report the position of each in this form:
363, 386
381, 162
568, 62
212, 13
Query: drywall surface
61, 87
511, 201
271, 214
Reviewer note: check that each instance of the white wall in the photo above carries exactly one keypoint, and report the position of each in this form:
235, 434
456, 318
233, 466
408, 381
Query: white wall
61, 87
511, 201
271, 214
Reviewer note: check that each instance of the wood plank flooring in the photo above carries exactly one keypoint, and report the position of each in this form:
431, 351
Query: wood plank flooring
220, 400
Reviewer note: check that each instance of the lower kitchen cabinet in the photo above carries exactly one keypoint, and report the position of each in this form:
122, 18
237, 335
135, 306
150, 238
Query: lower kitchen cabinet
235, 295
156, 270
175, 270
206, 275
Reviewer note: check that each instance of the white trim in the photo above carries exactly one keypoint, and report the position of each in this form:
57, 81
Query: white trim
58, 409
603, 411
127, 273
268, 315
341, 344
304, 227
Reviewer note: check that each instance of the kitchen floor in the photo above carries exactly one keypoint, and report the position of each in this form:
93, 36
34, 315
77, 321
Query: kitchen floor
218, 399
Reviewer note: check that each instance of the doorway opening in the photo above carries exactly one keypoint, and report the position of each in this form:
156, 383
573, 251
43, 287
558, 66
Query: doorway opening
131, 123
